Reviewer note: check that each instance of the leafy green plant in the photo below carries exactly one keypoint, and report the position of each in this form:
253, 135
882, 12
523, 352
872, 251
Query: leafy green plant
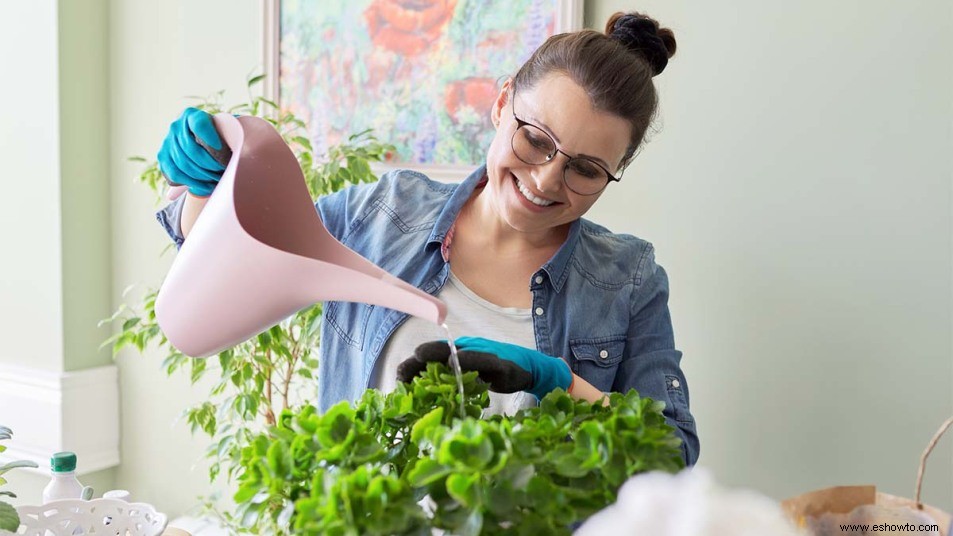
362, 469
9, 519
256, 380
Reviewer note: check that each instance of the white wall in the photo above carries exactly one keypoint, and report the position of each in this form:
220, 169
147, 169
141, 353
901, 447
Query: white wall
799, 194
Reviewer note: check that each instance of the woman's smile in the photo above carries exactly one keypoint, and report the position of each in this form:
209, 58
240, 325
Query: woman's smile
534, 198
530, 200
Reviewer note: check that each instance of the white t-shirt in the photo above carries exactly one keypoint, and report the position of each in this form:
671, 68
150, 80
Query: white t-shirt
467, 315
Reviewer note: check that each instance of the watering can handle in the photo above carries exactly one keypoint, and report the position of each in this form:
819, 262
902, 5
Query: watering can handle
297, 262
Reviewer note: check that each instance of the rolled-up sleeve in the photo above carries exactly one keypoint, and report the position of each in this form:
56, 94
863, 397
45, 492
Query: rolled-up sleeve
170, 218
652, 366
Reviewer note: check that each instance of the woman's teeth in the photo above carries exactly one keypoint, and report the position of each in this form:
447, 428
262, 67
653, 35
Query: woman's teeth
529, 195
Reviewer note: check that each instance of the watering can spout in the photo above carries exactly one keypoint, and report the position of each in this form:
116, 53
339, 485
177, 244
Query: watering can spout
259, 253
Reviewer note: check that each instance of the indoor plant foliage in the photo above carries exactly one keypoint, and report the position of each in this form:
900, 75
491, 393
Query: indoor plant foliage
368, 468
255, 380
9, 519
363, 468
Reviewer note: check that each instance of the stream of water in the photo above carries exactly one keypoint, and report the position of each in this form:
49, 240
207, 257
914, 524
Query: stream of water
455, 365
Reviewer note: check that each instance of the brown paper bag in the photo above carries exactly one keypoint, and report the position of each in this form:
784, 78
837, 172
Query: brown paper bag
824, 511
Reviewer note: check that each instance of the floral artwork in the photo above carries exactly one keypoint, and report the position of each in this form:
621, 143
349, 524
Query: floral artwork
422, 73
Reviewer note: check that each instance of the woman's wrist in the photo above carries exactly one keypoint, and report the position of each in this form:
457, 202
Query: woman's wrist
580, 389
190, 212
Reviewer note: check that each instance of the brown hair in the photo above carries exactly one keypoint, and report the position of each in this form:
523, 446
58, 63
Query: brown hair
615, 68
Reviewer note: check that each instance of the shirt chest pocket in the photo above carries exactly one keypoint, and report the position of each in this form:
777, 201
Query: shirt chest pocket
348, 320
597, 360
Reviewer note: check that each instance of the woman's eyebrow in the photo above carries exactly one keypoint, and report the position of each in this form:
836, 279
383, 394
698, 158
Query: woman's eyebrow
549, 131
544, 126
595, 159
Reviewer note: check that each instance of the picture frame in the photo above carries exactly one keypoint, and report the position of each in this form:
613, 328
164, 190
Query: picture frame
466, 137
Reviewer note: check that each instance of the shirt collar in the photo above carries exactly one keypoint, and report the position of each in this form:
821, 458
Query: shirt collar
557, 268
448, 216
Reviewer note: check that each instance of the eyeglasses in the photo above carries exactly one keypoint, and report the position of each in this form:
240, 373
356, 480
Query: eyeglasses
532, 145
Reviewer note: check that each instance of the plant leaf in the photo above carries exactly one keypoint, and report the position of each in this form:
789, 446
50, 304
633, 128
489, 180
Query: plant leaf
19, 463
9, 519
255, 79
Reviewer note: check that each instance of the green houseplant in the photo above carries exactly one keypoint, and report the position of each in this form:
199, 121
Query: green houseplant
363, 468
9, 519
255, 380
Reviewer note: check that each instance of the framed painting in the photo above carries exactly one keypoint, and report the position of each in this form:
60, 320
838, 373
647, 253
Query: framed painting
421, 73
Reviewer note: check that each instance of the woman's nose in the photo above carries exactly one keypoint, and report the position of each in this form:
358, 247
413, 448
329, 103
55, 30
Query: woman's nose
549, 176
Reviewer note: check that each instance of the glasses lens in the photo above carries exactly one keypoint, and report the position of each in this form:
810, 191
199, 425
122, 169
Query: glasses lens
532, 145
585, 177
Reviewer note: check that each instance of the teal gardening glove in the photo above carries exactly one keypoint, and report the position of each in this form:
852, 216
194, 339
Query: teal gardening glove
508, 368
193, 154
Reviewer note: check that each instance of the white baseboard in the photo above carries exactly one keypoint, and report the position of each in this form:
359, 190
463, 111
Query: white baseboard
53, 411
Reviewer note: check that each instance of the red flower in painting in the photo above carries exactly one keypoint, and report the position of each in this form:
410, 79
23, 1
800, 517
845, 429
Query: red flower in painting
408, 27
476, 93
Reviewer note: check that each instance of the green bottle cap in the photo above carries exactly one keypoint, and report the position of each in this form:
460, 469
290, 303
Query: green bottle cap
63, 462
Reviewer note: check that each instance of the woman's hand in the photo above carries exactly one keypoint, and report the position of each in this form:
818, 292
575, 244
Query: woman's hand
193, 154
508, 368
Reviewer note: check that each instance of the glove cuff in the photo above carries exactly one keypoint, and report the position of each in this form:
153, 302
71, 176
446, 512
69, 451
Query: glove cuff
556, 375
202, 189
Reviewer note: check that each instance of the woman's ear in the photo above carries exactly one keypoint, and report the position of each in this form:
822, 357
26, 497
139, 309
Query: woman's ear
502, 99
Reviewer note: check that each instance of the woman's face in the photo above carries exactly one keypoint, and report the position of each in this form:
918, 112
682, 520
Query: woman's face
560, 107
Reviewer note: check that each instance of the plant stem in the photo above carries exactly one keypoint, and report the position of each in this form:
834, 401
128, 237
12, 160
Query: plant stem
270, 414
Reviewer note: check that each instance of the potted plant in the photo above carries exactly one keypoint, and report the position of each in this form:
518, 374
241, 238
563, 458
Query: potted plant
403, 462
258, 379
9, 519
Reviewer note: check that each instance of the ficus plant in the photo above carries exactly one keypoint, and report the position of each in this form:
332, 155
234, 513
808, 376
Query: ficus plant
405, 463
256, 380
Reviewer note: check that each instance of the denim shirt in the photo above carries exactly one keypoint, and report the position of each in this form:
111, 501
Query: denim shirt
600, 303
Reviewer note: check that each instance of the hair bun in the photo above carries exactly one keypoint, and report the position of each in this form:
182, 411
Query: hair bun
641, 34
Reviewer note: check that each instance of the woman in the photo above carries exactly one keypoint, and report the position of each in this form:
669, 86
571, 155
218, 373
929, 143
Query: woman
507, 249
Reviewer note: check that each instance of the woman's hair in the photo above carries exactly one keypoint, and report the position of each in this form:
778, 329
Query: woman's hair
615, 68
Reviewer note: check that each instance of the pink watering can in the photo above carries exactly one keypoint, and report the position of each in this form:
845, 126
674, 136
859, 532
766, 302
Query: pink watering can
259, 253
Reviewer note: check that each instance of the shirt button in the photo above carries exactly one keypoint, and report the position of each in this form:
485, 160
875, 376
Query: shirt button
539, 279
603, 354
675, 383
539, 311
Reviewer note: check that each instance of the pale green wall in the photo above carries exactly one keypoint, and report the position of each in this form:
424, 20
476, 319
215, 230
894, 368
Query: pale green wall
31, 289
799, 194
84, 180
162, 52
54, 145
54, 142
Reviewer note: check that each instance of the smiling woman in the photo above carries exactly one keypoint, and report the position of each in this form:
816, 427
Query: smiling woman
552, 187
540, 293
